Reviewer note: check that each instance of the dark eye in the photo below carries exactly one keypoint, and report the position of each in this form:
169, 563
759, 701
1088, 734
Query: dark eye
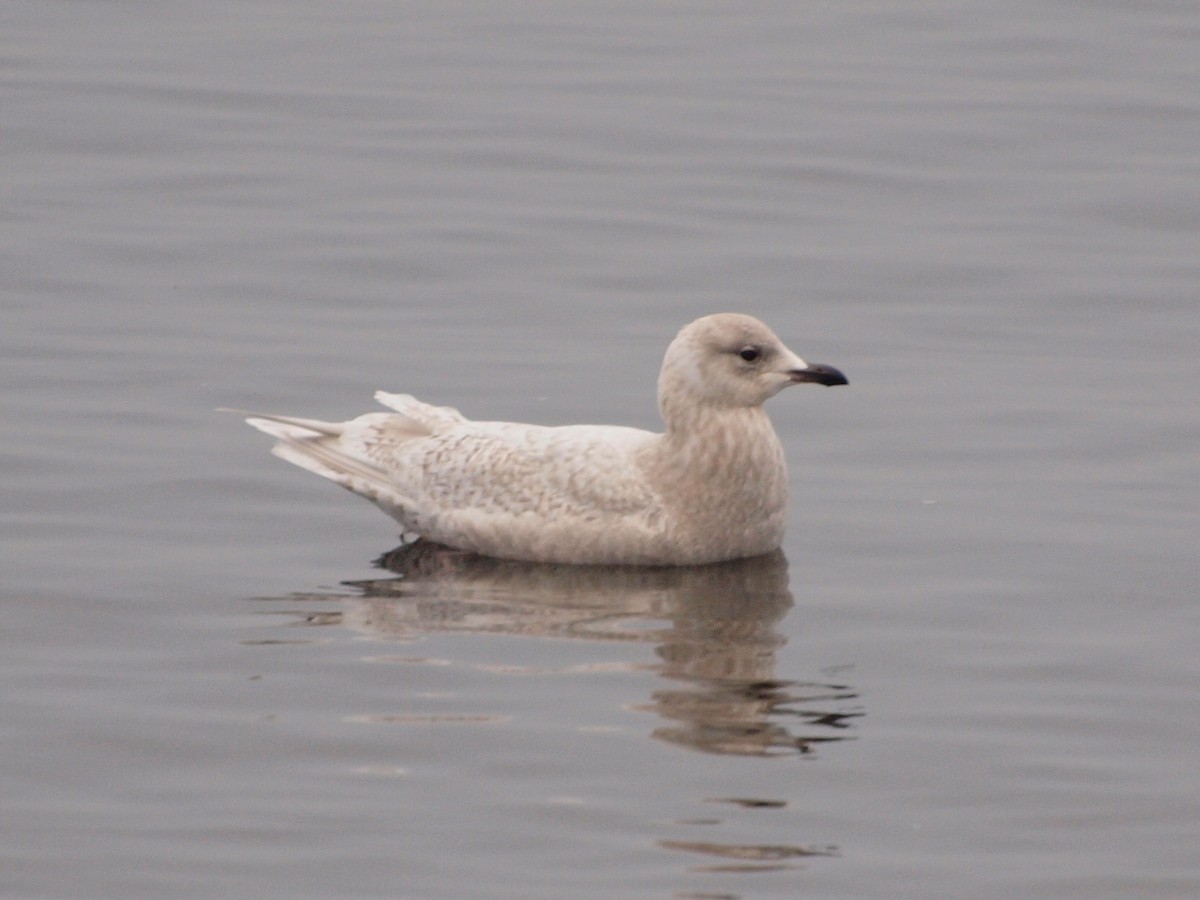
750, 354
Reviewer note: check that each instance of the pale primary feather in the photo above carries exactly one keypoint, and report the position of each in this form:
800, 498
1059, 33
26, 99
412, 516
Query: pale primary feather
713, 486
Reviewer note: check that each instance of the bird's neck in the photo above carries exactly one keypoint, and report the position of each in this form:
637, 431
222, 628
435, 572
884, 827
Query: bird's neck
710, 441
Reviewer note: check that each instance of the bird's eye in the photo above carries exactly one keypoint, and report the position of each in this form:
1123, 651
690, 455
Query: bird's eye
750, 354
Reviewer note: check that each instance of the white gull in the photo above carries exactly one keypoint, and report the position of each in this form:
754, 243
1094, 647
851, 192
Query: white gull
712, 487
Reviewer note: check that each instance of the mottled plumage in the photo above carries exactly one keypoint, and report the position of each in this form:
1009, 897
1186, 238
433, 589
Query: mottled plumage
712, 486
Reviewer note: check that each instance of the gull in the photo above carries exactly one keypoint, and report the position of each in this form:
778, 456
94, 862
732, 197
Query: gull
711, 487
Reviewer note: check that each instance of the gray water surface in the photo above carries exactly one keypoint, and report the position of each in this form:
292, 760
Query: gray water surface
973, 670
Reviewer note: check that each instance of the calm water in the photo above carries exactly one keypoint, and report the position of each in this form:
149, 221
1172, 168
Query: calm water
972, 673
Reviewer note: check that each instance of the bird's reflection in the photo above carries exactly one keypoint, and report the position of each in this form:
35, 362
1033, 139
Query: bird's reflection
714, 628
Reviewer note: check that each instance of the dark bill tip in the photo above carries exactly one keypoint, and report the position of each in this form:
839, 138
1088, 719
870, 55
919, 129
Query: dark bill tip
819, 373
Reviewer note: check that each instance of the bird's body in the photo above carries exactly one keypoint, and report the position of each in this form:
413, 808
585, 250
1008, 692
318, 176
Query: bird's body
711, 487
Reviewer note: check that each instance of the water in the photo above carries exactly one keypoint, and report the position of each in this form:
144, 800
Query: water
973, 673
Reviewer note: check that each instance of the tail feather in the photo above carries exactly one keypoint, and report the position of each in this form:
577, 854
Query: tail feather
322, 456
429, 417
291, 426
313, 445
